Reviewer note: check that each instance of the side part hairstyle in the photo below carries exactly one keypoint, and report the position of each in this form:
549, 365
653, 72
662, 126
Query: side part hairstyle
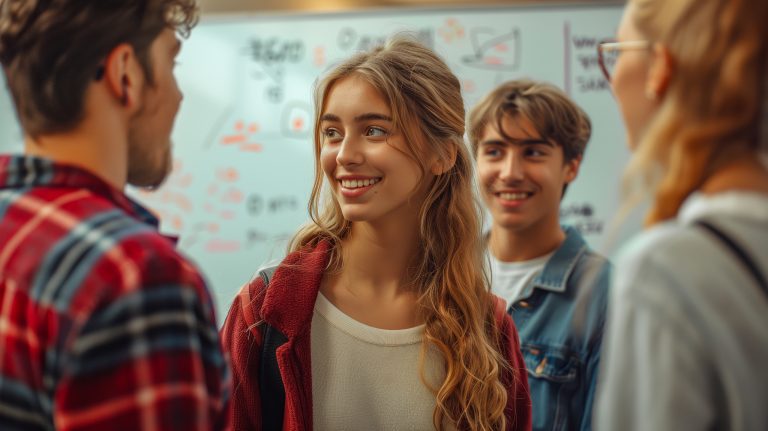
454, 299
51, 49
712, 107
555, 116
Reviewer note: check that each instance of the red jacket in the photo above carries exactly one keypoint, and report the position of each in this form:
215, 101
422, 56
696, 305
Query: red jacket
288, 306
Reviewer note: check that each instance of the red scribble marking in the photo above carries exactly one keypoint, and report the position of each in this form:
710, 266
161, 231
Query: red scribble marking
233, 139
229, 175
212, 189
222, 246
319, 57
451, 30
208, 207
165, 197
177, 223
213, 228
494, 61
469, 86
298, 124
252, 148
241, 138
184, 181
227, 215
501, 47
183, 202
234, 196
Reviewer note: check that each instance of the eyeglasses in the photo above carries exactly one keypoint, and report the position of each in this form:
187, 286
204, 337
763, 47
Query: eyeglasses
608, 52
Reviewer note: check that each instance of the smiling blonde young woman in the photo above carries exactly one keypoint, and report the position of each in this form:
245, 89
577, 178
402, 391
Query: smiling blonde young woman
387, 314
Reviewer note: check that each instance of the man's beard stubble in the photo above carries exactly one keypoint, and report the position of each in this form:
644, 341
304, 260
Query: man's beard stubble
149, 174
148, 164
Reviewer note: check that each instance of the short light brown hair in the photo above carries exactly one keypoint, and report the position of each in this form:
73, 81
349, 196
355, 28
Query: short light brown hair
554, 115
51, 50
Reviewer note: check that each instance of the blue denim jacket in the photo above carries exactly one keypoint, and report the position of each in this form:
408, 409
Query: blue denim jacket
560, 319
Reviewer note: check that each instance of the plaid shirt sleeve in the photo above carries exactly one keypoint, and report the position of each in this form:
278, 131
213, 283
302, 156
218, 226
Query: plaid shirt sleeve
103, 324
147, 356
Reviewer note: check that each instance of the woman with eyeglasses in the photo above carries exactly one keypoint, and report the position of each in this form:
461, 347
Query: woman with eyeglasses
687, 340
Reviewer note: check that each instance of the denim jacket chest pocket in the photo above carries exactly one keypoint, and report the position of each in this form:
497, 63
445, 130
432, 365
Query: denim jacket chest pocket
554, 374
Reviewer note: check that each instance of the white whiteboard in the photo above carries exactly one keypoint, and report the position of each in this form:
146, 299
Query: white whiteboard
243, 151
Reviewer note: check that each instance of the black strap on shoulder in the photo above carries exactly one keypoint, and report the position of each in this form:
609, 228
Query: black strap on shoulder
271, 386
739, 252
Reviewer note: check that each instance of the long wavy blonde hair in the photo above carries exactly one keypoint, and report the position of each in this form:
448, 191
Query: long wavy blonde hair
713, 103
454, 298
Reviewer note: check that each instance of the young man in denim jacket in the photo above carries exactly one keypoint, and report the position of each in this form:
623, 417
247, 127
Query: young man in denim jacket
528, 139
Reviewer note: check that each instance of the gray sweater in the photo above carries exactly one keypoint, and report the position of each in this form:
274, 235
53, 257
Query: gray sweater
686, 346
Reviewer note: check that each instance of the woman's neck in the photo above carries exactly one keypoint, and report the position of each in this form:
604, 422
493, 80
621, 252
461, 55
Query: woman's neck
744, 172
373, 284
379, 256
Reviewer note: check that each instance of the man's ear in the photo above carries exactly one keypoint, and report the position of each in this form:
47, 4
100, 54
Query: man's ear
660, 73
124, 76
572, 169
443, 165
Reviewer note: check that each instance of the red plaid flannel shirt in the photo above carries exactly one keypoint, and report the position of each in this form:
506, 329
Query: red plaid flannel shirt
103, 325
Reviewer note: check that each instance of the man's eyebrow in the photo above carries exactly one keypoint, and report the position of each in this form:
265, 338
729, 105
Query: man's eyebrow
517, 142
533, 141
492, 142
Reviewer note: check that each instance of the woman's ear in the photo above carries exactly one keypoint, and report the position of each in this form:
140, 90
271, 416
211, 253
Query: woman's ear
123, 76
443, 165
660, 73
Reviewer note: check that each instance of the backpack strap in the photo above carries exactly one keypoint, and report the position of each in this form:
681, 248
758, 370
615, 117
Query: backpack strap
271, 386
738, 252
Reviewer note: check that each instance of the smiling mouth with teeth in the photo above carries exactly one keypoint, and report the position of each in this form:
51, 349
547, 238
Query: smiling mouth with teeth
512, 196
356, 184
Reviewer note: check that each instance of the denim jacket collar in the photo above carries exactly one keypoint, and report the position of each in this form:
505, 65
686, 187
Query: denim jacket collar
555, 275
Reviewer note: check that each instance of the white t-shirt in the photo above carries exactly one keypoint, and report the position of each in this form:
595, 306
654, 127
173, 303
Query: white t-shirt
366, 378
508, 279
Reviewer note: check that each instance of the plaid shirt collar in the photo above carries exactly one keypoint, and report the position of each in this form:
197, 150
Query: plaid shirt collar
23, 171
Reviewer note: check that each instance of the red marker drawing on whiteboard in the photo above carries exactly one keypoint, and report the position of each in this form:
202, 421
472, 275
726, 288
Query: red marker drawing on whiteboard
242, 137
